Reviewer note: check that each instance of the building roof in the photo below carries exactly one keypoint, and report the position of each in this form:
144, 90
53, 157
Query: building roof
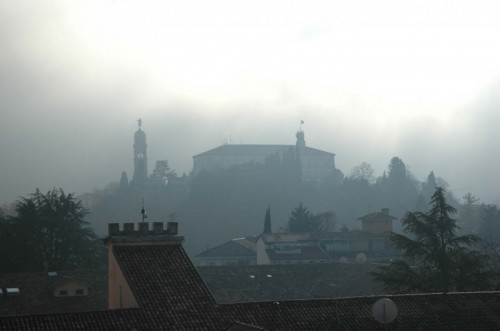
232, 248
348, 235
306, 254
172, 296
286, 237
164, 280
230, 149
378, 215
460, 311
264, 150
252, 239
289, 282
36, 292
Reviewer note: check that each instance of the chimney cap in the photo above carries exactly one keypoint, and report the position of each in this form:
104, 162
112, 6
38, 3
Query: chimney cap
144, 233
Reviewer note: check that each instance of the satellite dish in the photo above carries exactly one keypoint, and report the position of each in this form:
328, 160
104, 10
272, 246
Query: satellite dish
384, 311
343, 259
361, 257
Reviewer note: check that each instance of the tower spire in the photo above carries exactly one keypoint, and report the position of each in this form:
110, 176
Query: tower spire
140, 157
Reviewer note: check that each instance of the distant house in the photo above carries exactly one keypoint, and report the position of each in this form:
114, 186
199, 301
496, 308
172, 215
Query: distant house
53, 292
239, 251
377, 222
289, 248
315, 164
351, 245
307, 248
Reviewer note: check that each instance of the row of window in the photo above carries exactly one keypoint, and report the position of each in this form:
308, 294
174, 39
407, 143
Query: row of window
300, 262
79, 291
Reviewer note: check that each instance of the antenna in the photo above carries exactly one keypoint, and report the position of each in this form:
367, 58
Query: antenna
143, 211
361, 257
384, 311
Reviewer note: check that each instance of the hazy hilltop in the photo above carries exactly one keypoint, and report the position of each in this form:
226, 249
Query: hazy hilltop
227, 194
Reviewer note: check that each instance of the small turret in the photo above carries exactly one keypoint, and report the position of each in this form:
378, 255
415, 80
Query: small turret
300, 139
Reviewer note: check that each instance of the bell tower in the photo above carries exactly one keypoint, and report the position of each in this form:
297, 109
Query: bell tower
140, 156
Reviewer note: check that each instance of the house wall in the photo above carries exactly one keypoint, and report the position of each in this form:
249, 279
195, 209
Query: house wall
120, 295
262, 257
377, 226
70, 288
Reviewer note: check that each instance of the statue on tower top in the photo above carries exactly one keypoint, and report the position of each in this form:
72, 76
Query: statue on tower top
139, 121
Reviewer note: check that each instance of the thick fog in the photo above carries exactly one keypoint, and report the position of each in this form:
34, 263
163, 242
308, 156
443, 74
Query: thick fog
371, 80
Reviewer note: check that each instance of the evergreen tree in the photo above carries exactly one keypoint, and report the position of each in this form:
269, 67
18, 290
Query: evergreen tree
302, 220
442, 260
429, 187
49, 233
267, 221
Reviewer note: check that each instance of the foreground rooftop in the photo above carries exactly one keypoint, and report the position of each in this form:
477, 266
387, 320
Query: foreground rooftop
168, 293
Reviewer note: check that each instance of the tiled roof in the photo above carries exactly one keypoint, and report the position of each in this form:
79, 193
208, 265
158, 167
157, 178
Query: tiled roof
376, 216
172, 296
165, 283
307, 253
264, 150
228, 249
286, 237
252, 239
124, 319
471, 311
314, 151
36, 295
238, 326
287, 282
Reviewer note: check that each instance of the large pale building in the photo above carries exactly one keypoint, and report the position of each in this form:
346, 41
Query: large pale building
315, 165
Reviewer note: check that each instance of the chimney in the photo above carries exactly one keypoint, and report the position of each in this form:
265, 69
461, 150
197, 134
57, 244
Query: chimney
144, 233
120, 294
113, 229
128, 228
143, 228
157, 227
172, 228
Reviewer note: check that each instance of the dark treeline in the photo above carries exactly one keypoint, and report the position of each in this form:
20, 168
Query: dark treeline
37, 234
48, 233
214, 207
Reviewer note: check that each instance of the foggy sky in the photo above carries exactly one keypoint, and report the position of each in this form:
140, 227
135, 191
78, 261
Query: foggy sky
371, 80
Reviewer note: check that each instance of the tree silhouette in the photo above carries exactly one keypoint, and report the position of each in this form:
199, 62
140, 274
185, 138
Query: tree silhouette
302, 220
441, 259
49, 233
267, 221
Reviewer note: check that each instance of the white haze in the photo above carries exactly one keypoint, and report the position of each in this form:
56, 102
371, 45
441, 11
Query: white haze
371, 80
